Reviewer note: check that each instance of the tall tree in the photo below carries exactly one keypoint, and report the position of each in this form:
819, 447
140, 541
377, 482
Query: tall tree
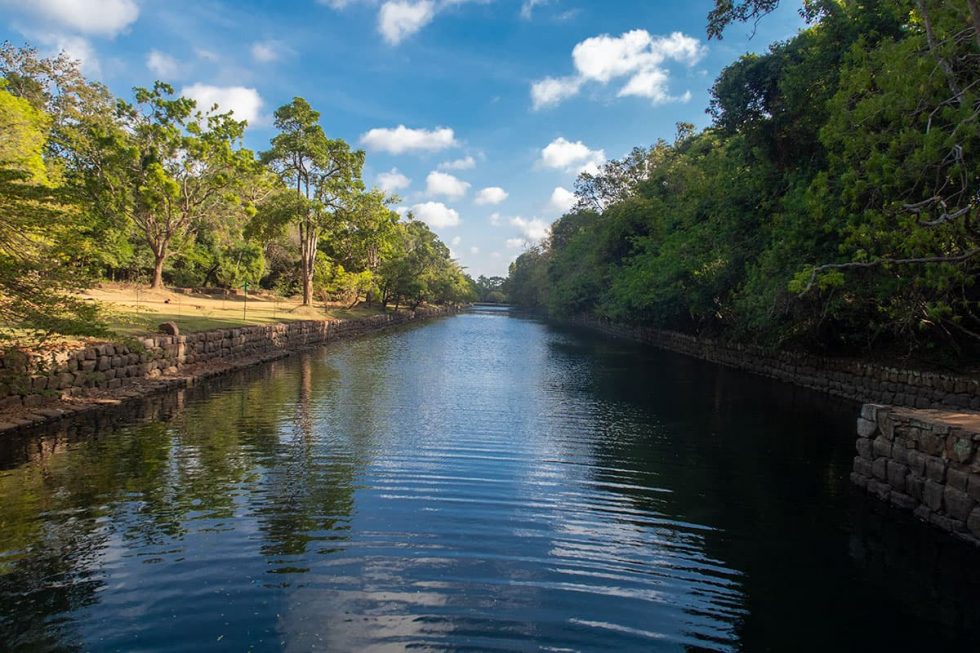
324, 173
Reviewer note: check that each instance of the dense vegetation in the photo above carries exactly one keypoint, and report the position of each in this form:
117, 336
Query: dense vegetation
832, 202
157, 190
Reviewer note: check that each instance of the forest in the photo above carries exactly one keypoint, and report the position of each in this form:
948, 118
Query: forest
156, 190
831, 204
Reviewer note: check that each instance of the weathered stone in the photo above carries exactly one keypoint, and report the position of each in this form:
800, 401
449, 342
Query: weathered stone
959, 448
935, 469
914, 486
958, 504
881, 448
879, 489
917, 462
956, 478
104, 363
902, 501
932, 495
899, 452
973, 487
973, 522
931, 443
896, 474
866, 428
169, 328
862, 466
864, 448
879, 469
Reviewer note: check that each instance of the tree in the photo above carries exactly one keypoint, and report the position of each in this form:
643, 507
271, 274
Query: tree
325, 174
36, 283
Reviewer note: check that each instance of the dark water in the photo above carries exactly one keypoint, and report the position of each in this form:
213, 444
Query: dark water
483, 482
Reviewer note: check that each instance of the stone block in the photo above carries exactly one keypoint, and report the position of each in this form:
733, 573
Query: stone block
914, 486
917, 463
959, 447
864, 448
879, 489
932, 495
973, 522
104, 363
879, 469
900, 453
881, 448
936, 469
930, 443
957, 478
866, 428
958, 504
862, 466
896, 474
902, 501
973, 487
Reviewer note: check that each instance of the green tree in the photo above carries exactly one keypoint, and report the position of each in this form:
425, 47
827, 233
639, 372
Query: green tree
324, 173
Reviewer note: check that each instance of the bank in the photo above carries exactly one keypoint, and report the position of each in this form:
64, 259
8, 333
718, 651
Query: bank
39, 389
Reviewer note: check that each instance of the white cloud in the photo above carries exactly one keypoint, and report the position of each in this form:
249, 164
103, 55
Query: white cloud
576, 157
76, 47
441, 183
474, 250
551, 91
267, 51
516, 243
456, 241
527, 8
636, 55
562, 200
94, 17
162, 65
244, 103
392, 181
399, 19
402, 139
436, 214
534, 230
466, 163
494, 254
207, 55
491, 195
495, 219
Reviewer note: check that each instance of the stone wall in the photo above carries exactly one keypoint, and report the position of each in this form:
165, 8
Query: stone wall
849, 378
923, 461
28, 383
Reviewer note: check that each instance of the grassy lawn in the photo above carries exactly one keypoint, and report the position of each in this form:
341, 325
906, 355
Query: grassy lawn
136, 311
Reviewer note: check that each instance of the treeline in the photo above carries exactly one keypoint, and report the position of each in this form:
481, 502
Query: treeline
155, 189
832, 202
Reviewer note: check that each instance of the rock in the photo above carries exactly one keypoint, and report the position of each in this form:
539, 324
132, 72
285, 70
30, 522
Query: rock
973, 523
169, 328
958, 504
866, 427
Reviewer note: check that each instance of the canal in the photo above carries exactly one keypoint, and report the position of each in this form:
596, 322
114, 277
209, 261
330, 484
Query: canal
483, 482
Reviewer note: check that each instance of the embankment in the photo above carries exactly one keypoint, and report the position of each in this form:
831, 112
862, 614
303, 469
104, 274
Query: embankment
38, 389
862, 381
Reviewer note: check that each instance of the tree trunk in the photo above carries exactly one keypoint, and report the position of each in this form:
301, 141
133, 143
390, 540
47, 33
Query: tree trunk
158, 271
975, 15
307, 282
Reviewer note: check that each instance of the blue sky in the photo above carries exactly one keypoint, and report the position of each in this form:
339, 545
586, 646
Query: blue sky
478, 113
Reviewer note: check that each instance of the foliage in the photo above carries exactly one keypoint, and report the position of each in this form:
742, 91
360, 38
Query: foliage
833, 202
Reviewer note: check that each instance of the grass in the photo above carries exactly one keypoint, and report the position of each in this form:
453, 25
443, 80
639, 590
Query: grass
134, 311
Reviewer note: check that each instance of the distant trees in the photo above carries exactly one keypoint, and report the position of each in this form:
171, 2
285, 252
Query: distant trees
833, 202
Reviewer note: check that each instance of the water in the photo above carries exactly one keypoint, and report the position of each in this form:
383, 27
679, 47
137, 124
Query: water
485, 482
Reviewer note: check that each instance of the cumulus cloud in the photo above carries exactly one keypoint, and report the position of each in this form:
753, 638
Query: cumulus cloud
399, 19
491, 195
552, 90
562, 200
436, 214
244, 103
76, 47
527, 7
474, 250
93, 17
563, 154
441, 183
456, 241
636, 56
534, 230
495, 219
466, 163
392, 181
401, 139
162, 65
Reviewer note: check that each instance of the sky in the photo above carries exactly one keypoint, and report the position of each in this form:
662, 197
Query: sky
478, 114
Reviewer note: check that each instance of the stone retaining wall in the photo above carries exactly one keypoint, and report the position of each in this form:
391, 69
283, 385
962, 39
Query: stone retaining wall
923, 461
853, 379
28, 383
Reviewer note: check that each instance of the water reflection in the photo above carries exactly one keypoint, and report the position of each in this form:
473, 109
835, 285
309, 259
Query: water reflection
485, 482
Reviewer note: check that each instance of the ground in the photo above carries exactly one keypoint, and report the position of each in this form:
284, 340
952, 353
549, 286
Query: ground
138, 310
